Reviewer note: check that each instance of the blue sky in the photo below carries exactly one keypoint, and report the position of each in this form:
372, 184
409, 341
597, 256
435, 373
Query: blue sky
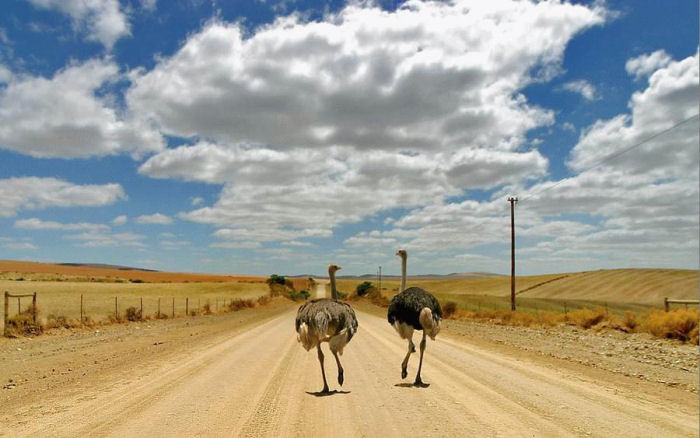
260, 136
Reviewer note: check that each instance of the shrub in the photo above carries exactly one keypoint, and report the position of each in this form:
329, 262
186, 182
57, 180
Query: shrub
677, 324
238, 304
448, 309
54, 321
264, 300
23, 324
276, 279
206, 309
629, 321
132, 314
301, 295
586, 318
277, 289
363, 288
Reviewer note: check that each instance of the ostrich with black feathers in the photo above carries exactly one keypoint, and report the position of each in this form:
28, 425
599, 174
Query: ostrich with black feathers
326, 320
413, 309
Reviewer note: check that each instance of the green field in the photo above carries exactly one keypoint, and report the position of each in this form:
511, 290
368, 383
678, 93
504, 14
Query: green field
63, 297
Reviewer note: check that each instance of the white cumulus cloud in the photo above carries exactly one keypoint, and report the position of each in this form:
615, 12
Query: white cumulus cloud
156, 218
62, 117
100, 20
582, 87
38, 224
643, 65
313, 124
33, 193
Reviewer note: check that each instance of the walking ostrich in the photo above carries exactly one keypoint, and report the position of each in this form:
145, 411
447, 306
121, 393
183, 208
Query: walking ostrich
326, 320
413, 309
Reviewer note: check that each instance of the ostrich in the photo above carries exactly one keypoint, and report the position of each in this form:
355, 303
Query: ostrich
326, 320
413, 309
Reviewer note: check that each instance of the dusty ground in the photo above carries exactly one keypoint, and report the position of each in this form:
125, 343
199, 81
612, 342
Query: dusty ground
243, 374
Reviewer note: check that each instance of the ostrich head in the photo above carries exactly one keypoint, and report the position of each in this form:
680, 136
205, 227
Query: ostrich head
333, 268
402, 253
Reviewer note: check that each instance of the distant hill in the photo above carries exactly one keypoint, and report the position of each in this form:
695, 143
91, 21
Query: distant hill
452, 276
105, 266
104, 272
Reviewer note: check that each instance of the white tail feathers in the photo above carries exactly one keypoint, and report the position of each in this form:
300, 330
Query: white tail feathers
307, 339
430, 326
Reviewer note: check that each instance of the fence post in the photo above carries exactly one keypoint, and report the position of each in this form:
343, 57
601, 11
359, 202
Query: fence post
7, 310
158, 308
82, 318
173, 307
34, 308
187, 306
666, 303
116, 309
141, 316
19, 304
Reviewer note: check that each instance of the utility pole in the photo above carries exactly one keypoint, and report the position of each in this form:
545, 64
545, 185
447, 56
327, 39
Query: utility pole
380, 279
512, 201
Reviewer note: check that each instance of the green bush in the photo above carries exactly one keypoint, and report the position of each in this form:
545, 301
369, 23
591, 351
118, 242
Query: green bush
276, 279
301, 295
363, 288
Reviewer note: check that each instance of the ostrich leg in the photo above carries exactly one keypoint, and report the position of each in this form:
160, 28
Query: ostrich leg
404, 364
418, 381
340, 368
323, 372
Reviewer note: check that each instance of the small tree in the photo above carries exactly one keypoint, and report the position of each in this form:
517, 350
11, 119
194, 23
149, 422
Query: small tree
276, 279
363, 288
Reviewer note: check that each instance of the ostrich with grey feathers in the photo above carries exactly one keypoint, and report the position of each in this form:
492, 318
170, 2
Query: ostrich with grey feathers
413, 309
326, 320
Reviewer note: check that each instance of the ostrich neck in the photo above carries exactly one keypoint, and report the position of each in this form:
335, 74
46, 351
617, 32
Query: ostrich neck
334, 292
403, 274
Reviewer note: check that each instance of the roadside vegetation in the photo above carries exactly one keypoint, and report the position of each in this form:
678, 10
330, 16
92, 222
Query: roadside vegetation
680, 324
296, 289
22, 324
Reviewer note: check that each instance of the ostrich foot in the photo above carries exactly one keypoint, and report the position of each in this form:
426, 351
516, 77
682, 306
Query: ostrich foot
325, 390
420, 384
341, 379
404, 373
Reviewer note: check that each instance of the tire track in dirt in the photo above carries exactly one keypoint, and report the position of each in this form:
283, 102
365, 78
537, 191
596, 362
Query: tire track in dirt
261, 421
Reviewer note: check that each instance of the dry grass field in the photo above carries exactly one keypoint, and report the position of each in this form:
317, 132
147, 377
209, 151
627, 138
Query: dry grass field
619, 290
63, 298
59, 287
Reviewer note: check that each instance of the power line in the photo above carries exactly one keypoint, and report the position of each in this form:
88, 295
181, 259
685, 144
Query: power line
616, 154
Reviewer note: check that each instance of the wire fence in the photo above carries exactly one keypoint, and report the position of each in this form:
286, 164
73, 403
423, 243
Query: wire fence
88, 309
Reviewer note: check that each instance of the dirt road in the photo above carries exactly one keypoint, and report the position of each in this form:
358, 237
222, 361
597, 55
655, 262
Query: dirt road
258, 381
